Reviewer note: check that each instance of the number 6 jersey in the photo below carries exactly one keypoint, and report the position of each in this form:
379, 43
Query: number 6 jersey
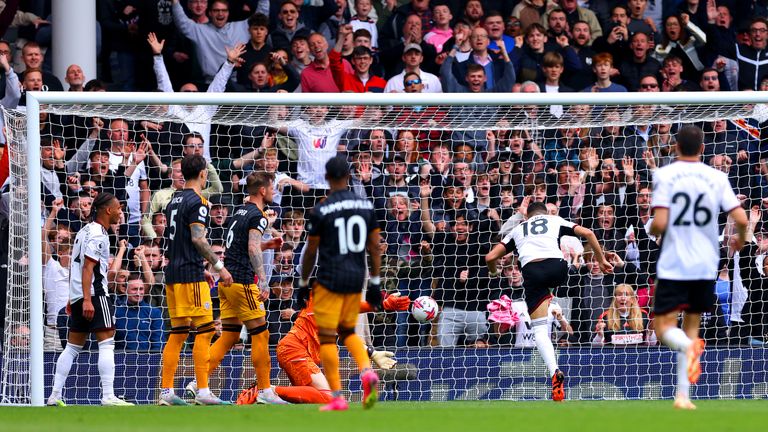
185, 264
694, 193
538, 238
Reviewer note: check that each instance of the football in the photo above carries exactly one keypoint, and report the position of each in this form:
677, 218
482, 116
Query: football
424, 309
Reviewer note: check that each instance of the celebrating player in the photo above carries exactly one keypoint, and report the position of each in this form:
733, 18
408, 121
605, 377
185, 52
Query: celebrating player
298, 354
242, 301
690, 194
187, 289
537, 244
91, 308
341, 227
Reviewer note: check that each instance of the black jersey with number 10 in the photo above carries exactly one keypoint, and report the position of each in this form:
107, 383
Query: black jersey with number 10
185, 264
237, 260
343, 222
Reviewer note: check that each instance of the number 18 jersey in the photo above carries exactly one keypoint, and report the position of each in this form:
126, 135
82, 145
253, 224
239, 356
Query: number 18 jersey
538, 238
694, 193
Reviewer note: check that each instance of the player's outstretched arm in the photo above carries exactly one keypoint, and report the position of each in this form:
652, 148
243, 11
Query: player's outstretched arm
588, 235
200, 242
373, 294
257, 261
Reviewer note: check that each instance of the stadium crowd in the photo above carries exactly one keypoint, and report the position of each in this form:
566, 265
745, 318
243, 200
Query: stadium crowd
443, 197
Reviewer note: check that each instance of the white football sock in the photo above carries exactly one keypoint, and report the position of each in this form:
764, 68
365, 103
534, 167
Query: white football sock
544, 344
63, 366
107, 367
683, 386
676, 339
204, 392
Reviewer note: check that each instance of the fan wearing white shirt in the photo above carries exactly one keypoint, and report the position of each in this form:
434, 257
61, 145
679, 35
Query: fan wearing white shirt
536, 242
687, 199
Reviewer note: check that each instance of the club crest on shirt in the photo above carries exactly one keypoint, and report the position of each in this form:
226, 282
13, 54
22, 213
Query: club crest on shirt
319, 143
207, 306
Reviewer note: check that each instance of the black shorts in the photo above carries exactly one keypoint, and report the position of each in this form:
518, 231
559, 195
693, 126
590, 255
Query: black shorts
103, 316
696, 296
540, 278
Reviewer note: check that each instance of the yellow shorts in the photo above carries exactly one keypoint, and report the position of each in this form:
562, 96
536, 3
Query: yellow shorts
241, 302
189, 300
334, 310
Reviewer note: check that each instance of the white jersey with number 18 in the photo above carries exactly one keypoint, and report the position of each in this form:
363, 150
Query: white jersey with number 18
695, 194
538, 238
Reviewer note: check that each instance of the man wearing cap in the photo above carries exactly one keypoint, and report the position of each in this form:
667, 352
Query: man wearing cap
361, 81
412, 57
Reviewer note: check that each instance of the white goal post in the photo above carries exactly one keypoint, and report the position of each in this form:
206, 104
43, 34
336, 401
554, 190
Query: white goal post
678, 107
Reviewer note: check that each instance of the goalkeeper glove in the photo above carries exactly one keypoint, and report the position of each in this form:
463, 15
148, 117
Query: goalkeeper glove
384, 359
396, 302
303, 294
373, 295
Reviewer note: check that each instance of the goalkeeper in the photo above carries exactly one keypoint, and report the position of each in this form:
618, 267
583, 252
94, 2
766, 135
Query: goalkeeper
298, 354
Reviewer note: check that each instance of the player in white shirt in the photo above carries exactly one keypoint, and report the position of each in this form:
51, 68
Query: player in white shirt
536, 242
91, 307
687, 199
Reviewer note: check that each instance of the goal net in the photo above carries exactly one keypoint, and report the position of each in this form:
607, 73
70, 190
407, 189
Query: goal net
448, 177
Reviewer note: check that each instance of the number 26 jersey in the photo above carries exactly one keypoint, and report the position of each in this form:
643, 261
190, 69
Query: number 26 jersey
538, 238
694, 193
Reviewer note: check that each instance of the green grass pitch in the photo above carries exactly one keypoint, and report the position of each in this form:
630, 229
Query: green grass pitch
593, 416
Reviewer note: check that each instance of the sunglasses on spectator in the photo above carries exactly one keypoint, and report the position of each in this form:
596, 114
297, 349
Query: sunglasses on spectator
412, 82
649, 86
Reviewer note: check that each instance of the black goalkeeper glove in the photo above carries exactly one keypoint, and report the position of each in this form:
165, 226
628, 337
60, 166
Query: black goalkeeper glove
373, 295
303, 295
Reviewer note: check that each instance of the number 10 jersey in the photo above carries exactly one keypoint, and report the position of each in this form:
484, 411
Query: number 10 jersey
694, 193
538, 238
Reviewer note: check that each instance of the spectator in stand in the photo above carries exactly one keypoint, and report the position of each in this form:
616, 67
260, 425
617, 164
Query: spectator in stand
638, 22
682, 38
261, 81
33, 59
220, 213
300, 53
530, 11
575, 13
257, 50
196, 118
552, 66
473, 13
413, 57
213, 39
56, 260
624, 323
391, 56
601, 65
533, 53
640, 64
32, 81
330, 28
752, 66
442, 30
556, 24
363, 20
317, 77
710, 81
463, 287
615, 39
581, 43
279, 307
394, 30
138, 326
672, 71
361, 81
288, 27
75, 78
476, 71
493, 22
